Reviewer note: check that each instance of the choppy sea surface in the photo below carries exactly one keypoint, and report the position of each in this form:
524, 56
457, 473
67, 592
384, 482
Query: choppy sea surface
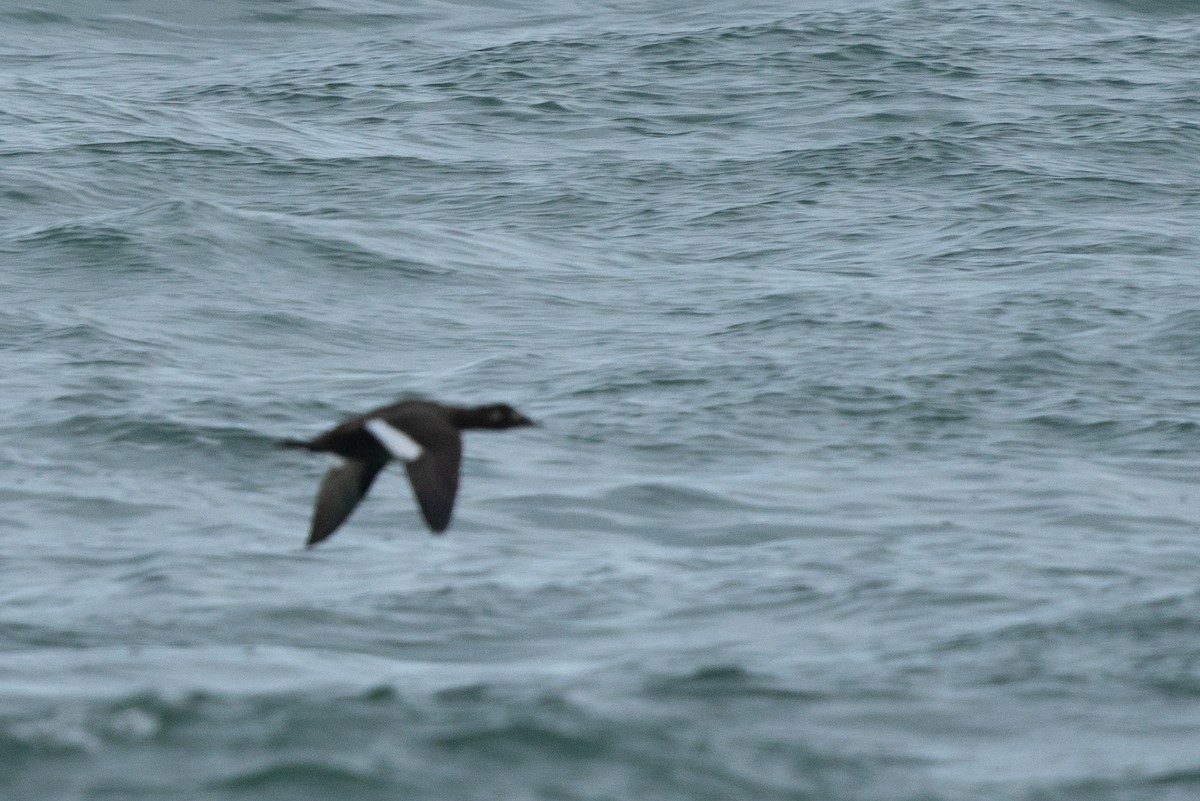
865, 338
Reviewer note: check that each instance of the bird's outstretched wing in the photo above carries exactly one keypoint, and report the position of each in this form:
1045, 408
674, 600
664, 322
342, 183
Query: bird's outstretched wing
434, 478
342, 488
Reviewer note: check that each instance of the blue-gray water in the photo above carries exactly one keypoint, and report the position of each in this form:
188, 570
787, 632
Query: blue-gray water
865, 336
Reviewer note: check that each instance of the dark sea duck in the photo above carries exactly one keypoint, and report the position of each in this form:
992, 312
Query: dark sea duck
422, 434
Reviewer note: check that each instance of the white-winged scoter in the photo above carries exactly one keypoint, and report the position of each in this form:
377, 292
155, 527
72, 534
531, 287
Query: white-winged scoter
422, 434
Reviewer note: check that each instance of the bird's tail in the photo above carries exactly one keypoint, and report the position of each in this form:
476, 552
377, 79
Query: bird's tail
294, 443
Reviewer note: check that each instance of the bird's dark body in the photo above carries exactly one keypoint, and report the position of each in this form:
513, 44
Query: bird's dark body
431, 429
421, 420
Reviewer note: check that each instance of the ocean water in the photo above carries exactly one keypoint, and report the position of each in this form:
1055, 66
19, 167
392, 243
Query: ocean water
865, 338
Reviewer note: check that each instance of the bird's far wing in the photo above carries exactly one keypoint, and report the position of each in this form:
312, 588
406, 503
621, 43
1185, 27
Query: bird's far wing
398, 444
342, 488
434, 478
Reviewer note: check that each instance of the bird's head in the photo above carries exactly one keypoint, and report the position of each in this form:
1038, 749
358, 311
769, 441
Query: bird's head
500, 415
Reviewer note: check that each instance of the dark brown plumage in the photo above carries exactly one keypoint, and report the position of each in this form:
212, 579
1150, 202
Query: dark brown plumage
424, 434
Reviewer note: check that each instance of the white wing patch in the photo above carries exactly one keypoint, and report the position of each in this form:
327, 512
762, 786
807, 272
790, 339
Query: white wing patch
399, 444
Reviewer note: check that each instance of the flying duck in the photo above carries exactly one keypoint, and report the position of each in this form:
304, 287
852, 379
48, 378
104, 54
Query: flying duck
422, 434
